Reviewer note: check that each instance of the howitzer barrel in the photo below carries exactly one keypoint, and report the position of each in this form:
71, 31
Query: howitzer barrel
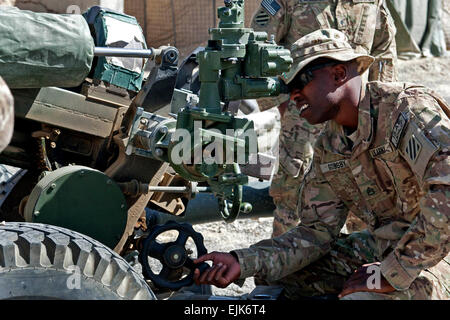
129, 53
204, 207
172, 189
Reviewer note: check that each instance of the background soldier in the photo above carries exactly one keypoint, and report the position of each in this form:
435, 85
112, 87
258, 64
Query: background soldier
6, 115
370, 30
384, 155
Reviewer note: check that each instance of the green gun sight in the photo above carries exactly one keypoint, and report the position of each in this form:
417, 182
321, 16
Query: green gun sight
207, 143
238, 63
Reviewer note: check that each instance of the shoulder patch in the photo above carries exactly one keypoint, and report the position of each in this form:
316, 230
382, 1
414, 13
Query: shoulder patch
272, 6
417, 149
412, 148
399, 128
262, 18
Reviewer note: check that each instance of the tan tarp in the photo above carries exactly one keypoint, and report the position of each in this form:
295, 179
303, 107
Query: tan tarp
65, 6
406, 45
183, 24
446, 21
42, 49
7, 2
423, 20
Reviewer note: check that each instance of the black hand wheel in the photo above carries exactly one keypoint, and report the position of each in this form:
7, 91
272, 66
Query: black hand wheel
229, 209
172, 255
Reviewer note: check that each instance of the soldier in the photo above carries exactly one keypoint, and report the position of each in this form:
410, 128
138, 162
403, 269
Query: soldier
370, 29
6, 115
384, 155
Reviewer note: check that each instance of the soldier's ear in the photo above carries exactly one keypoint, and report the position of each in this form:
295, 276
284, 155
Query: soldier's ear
340, 73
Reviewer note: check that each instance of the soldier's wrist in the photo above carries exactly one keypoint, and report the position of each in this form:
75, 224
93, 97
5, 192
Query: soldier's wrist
246, 262
394, 273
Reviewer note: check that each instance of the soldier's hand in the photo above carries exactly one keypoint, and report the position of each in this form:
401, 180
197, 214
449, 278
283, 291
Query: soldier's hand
359, 281
224, 270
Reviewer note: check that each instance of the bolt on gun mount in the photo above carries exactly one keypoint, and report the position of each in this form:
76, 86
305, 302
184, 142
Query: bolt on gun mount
207, 143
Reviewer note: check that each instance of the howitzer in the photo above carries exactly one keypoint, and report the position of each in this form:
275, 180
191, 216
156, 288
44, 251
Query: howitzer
117, 153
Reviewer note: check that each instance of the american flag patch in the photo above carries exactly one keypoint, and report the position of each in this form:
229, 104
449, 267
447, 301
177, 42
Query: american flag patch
272, 6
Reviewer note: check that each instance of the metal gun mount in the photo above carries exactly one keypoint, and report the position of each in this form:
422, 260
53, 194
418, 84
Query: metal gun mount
237, 63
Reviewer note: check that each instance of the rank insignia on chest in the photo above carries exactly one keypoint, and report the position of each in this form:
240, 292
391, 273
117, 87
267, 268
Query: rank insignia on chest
272, 6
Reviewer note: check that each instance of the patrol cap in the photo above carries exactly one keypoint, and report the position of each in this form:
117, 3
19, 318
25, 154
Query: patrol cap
324, 43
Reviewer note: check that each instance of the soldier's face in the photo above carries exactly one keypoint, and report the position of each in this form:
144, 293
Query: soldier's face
317, 100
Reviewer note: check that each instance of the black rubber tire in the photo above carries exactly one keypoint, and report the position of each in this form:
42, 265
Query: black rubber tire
39, 261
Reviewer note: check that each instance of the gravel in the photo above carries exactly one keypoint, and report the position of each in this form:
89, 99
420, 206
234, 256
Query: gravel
222, 236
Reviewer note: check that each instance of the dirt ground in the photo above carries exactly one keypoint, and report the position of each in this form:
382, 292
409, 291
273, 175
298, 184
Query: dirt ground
220, 236
431, 72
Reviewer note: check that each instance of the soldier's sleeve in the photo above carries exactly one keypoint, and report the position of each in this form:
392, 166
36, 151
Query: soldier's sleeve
272, 17
322, 217
424, 143
384, 48
6, 115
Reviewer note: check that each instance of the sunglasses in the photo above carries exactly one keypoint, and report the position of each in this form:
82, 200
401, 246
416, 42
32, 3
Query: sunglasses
306, 76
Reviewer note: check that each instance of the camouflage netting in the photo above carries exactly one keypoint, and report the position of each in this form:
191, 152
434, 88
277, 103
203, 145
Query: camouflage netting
183, 24
41, 49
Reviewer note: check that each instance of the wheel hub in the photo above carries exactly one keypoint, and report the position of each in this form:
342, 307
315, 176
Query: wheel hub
175, 256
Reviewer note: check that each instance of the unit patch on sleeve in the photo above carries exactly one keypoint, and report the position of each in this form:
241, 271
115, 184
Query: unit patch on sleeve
399, 128
413, 147
262, 18
272, 6
417, 149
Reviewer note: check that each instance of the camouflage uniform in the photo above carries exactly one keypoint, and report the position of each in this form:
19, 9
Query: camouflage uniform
6, 115
393, 172
370, 30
